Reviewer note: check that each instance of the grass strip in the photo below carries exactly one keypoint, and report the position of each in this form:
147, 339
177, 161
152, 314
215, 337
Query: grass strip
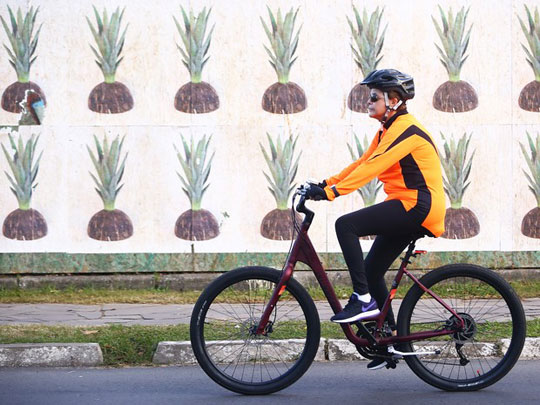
120, 344
90, 296
134, 345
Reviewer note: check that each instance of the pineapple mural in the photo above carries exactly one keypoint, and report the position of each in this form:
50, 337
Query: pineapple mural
370, 190
21, 57
530, 226
283, 97
366, 54
196, 223
283, 167
460, 222
109, 224
454, 95
529, 98
196, 96
24, 223
109, 97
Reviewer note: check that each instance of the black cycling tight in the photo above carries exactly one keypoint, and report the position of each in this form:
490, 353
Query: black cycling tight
393, 227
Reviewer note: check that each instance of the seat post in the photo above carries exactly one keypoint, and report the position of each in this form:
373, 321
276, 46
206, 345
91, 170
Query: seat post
410, 249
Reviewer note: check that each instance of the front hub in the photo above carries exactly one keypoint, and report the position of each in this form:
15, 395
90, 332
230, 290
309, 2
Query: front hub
267, 330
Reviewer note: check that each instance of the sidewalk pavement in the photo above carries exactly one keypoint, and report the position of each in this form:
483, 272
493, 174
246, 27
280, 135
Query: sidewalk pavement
80, 355
143, 314
106, 314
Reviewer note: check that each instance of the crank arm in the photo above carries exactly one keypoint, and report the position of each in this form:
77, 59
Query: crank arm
426, 353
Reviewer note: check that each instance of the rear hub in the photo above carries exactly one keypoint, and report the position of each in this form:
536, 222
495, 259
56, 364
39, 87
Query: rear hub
469, 330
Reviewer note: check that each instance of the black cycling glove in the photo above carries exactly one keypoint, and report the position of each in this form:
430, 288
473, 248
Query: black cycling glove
316, 193
322, 184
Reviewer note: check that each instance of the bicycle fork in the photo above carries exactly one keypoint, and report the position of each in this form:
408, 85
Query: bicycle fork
282, 285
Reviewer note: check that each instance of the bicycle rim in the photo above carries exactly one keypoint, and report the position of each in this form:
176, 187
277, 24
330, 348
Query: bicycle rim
488, 346
246, 362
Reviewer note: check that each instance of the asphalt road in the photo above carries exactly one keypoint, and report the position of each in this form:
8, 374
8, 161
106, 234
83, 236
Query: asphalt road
325, 383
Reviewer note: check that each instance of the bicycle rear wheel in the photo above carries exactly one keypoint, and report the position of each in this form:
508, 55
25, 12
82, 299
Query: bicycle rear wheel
222, 332
494, 333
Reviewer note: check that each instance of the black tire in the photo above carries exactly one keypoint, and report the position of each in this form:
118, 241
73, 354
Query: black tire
233, 356
464, 287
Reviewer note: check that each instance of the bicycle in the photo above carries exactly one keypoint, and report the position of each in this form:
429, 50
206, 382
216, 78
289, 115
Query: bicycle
256, 330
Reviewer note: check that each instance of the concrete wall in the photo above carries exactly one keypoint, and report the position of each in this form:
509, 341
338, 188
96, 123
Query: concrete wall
239, 71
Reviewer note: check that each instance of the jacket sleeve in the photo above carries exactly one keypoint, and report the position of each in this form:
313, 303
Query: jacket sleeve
345, 172
382, 158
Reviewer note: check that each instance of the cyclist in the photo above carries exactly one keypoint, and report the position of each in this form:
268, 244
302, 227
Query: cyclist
404, 158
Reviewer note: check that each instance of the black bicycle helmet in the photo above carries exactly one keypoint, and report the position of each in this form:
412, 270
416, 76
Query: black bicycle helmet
391, 79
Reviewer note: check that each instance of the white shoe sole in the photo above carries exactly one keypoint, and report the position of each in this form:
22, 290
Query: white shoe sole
360, 316
383, 364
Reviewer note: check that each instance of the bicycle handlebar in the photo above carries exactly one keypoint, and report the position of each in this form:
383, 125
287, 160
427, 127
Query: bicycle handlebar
301, 207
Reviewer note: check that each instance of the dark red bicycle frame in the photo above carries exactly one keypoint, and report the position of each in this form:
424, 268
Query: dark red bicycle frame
303, 251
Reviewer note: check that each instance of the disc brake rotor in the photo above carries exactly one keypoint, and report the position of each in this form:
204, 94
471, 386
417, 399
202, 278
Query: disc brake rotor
469, 328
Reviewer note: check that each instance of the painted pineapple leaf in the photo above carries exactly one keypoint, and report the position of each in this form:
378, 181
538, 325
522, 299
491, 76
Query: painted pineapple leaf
118, 174
453, 39
186, 186
22, 40
273, 185
272, 147
366, 37
106, 162
196, 169
14, 186
532, 35
35, 169
195, 41
283, 167
98, 184
112, 157
457, 165
183, 37
109, 42
269, 160
532, 158
23, 167
118, 189
283, 42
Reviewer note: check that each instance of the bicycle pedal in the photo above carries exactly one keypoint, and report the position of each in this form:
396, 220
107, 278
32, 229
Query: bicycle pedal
391, 363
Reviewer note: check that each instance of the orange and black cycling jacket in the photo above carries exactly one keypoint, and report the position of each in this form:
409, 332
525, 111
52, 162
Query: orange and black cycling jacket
404, 158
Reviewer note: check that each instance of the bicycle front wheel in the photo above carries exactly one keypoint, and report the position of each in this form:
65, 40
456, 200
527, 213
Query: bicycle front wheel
223, 326
489, 345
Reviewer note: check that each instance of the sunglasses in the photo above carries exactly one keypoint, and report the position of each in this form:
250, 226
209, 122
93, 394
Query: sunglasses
374, 98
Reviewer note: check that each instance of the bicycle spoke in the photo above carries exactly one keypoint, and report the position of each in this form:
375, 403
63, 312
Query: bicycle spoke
473, 352
231, 344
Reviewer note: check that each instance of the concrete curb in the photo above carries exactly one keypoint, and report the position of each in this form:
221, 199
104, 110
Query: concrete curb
51, 355
180, 353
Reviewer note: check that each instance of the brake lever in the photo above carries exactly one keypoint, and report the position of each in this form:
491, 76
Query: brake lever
301, 191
